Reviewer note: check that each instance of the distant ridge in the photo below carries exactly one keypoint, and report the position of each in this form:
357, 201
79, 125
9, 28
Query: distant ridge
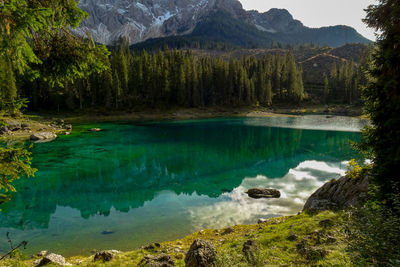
218, 21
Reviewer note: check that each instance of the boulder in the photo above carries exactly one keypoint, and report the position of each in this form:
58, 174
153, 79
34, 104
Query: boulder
24, 126
14, 125
43, 136
53, 259
103, 256
201, 254
263, 193
68, 127
339, 194
162, 260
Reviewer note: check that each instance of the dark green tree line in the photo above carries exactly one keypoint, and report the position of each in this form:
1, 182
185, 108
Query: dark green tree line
182, 79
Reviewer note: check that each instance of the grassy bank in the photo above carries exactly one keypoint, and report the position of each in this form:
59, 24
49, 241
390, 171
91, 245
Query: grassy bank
300, 240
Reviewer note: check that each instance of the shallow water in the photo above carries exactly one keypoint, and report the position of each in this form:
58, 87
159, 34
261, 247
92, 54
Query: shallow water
133, 184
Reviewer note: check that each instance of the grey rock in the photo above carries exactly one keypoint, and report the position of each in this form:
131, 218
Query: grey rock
263, 193
53, 259
43, 136
68, 127
103, 256
14, 125
260, 221
339, 194
201, 254
42, 253
162, 260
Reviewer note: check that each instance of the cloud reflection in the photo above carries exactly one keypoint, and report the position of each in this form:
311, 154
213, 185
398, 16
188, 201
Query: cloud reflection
296, 186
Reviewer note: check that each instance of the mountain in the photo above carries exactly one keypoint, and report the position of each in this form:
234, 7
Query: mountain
223, 21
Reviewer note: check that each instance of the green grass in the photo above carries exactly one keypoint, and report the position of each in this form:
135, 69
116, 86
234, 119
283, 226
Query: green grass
316, 245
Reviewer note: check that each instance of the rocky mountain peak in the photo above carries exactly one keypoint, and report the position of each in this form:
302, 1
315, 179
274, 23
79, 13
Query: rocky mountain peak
139, 20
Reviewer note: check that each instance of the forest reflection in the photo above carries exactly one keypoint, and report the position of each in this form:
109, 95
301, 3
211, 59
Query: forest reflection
126, 165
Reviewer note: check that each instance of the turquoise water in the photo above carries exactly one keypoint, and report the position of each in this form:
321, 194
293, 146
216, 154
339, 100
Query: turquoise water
136, 183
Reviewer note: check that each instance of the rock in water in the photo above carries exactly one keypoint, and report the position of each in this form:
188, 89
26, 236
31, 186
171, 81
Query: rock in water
95, 130
103, 256
53, 259
43, 136
201, 254
263, 193
339, 194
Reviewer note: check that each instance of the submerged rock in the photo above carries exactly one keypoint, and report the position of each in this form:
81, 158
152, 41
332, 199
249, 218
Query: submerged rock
201, 254
337, 194
263, 193
95, 130
43, 136
53, 259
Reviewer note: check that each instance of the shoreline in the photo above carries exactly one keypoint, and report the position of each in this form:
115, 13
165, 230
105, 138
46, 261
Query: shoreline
229, 241
42, 122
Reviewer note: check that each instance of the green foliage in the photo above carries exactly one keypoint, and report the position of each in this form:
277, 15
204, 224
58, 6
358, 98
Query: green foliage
13, 108
36, 44
373, 233
354, 170
14, 163
180, 78
382, 99
374, 230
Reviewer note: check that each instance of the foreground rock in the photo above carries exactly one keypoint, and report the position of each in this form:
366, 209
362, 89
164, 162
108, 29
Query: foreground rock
157, 261
338, 194
201, 254
53, 259
263, 193
43, 136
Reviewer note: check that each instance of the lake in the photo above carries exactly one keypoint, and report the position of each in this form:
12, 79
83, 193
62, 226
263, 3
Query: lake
136, 183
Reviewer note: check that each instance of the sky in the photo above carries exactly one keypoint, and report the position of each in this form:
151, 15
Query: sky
318, 13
